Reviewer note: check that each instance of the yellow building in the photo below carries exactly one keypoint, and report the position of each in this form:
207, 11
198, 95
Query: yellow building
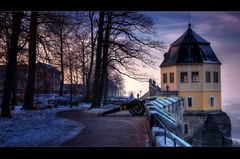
191, 68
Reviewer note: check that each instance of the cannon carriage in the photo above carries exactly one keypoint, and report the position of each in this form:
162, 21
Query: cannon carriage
135, 107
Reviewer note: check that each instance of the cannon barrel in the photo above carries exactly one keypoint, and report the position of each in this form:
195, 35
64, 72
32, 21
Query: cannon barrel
135, 107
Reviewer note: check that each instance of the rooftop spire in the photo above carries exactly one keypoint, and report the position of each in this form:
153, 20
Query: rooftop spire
189, 21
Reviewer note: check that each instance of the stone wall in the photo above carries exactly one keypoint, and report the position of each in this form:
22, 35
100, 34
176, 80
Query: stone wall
193, 123
206, 129
216, 131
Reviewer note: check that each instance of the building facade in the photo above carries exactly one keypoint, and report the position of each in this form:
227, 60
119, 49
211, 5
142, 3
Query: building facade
192, 68
47, 79
192, 71
113, 90
77, 89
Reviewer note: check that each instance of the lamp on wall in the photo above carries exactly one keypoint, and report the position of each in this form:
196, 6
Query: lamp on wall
167, 87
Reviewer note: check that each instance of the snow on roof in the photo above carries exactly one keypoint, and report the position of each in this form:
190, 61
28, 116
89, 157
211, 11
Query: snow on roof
47, 66
163, 117
156, 103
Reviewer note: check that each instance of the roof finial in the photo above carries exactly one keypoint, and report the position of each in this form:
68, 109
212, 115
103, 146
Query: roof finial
189, 24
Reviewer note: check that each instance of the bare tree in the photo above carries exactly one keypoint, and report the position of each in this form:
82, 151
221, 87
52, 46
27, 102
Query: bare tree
29, 92
60, 25
128, 47
104, 69
117, 80
5, 33
96, 84
11, 65
123, 48
70, 64
93, 41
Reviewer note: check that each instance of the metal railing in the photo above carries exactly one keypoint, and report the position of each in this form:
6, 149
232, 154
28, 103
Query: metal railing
176, 140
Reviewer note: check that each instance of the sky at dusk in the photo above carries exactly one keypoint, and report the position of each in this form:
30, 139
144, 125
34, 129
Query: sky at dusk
221, 29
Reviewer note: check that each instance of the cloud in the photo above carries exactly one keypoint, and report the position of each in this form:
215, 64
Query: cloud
221, 29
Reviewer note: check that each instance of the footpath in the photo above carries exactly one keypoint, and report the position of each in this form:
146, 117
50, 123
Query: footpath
114, 130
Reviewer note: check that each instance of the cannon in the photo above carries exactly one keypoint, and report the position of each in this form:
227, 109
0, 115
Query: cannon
135, 107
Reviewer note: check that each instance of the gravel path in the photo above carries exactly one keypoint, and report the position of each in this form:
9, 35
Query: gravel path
115, 130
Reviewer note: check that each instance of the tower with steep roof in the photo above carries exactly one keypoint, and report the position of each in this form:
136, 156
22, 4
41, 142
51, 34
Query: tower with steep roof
192, 68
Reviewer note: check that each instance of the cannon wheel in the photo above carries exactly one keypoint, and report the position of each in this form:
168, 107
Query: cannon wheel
137, 108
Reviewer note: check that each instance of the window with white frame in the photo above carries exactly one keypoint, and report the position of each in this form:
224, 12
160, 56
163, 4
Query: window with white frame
195, 77
184, 77
171, 77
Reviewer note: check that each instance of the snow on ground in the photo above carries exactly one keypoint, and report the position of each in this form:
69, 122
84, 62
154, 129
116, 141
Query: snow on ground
160, 138
102, 108
42, 127
85, 105
236, 142
160, 142
96, 110
38, 127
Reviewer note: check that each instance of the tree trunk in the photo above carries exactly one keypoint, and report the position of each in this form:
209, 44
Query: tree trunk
105, 89
12, 62
14, 93
8, 40
89, 75
83, 65
96, 83
62, 69
105, 57
29, 92
71, 80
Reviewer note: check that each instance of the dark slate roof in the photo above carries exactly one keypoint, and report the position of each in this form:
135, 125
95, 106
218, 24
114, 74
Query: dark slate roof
48, 67
189, 48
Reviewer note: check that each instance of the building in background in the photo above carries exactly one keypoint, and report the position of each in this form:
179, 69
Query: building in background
80, 89
113, 90
47, 79
77, 89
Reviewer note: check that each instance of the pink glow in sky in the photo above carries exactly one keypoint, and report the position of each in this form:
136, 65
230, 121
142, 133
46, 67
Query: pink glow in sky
221, 29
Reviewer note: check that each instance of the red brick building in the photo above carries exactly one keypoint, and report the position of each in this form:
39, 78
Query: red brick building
47, 79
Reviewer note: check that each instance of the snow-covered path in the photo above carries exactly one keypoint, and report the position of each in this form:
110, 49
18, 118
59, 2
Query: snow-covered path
38, 128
